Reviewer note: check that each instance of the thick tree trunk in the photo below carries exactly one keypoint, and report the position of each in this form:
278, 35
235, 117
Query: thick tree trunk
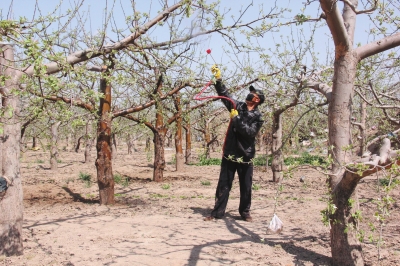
88, 142
188, 146
22, 145
346, 249
159, 158
188, 138
345, 246
340, 109
259, 141
179, 162
214, 142
277, 156
179, 158
78, 144
11, 204
207, 141
363, 135
147, 147
267, 141
34, 144
67, 140
54, 148
130, 143
114, 150
88, 150
169, 139
105, 178
159, 131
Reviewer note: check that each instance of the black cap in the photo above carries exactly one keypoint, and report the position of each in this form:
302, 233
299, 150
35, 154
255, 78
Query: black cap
259, 93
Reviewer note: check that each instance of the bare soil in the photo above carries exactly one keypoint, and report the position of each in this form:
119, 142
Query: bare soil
162, 223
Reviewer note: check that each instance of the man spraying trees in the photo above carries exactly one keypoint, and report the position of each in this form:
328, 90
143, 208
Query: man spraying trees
238, 149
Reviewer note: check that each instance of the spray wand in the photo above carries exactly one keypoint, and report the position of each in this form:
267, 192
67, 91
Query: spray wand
197, 96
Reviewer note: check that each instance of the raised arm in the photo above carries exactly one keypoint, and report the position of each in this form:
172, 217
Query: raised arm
223, 91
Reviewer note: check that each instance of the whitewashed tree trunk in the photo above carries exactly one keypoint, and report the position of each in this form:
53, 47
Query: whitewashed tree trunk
362, 127
11, 205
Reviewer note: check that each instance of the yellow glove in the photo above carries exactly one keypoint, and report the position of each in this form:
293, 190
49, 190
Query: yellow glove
216, 72
234, 113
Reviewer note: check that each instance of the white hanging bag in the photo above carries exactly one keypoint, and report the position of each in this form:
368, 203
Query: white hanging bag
276, 225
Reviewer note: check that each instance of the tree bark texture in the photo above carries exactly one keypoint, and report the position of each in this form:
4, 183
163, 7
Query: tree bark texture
11, 204
114, 150
179, 158
179, 162
339, 111
105, 178
88, 149
169, 139
34, 143
345, 248
78, 144
159, 157
277, 156
363, 122
130, 143
54, 143
67, 140
259, 141
88, 142
147, 147
159, 131
188, 141
207, 141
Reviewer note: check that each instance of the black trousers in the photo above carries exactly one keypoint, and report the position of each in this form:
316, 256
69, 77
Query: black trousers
228, 169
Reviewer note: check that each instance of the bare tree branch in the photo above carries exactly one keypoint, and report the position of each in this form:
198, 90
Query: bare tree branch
336, 25
85, 55
368, 11
322, 88
378, 46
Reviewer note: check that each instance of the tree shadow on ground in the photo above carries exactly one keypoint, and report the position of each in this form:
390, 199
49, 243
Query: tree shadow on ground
60, 220
48, 249
78, 197
137, 179
49, 168
300, 254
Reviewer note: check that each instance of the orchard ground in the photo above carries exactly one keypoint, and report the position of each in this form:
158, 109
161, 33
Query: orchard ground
162, 223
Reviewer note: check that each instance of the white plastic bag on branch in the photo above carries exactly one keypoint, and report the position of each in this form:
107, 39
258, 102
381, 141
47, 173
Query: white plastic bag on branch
276, 225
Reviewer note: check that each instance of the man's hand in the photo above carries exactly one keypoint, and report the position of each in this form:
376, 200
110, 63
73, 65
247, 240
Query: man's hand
216, 72
234, 113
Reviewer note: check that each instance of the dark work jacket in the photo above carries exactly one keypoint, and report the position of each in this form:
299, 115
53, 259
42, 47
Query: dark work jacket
243, 129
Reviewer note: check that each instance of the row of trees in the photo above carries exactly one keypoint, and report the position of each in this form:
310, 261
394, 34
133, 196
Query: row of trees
136, 80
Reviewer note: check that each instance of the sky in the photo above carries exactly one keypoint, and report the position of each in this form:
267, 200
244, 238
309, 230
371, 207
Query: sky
121, 8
